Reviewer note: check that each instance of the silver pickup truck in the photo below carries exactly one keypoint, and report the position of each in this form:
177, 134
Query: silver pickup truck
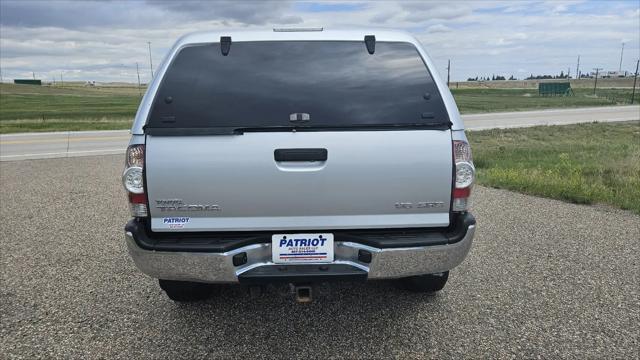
297, 156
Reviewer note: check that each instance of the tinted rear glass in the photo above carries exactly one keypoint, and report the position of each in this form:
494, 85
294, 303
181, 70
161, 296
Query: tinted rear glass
260, 84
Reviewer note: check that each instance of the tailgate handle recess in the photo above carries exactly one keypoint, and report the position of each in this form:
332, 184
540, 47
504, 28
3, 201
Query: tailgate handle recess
300, 154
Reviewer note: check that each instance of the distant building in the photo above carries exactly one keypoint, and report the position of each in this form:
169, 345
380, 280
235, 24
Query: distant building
611, 74
614, 74
28, 82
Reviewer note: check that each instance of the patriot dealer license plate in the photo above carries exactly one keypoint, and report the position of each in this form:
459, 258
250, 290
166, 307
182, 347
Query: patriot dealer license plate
302, 248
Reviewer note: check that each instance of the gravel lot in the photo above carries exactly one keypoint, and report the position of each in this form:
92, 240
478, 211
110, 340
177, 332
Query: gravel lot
544, 279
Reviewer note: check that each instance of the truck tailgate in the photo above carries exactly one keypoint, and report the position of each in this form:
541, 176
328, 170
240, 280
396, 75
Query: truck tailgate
370, 179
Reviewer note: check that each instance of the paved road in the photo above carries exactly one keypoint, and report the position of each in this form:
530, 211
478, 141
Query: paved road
543, 279
62, 144
48, 145
551, 117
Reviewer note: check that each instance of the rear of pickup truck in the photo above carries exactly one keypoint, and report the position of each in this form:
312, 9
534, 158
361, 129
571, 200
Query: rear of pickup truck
298, 159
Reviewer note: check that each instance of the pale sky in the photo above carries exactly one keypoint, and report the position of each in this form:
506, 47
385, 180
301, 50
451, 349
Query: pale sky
103, 40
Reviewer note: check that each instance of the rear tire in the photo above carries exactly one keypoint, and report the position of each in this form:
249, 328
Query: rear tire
429, 283
183, 291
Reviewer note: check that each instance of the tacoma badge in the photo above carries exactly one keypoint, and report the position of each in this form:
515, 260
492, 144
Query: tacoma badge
179, 205
419, 205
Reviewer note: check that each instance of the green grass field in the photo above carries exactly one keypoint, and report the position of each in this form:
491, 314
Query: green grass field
585, 163
25, 108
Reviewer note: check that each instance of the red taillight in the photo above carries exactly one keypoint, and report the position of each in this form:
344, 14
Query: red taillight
137, 198
461, 193
133, 180
464, 175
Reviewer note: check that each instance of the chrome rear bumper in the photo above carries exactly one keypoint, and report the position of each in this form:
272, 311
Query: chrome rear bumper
218, 267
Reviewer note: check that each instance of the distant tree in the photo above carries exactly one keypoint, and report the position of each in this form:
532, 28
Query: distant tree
561, 74
539, 77
512, 78
471, 79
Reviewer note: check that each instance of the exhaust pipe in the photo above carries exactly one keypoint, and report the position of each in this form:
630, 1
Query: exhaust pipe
303, 293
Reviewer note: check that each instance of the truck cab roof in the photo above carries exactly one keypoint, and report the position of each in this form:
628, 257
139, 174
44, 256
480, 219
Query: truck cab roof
297, 34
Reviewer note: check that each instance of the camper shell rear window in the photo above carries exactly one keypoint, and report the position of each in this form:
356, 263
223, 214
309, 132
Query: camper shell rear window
283, 84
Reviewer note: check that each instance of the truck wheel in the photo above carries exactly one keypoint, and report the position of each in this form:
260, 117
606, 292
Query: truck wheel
185, 290
428, 283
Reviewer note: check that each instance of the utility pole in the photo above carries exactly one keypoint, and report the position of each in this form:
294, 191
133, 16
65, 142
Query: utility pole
596, 83
34, 75
621, 53
448, 71
138, 71
150, 61
61, 82
635, 78
578, 68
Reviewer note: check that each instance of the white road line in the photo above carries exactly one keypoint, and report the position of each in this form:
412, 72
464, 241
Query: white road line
471, 127
105, 151
554, 111
65, 133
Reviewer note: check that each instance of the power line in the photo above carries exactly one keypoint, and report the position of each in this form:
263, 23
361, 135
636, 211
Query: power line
448, 71
621, 53
150, 61
138, 72
635, 78
596, 83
